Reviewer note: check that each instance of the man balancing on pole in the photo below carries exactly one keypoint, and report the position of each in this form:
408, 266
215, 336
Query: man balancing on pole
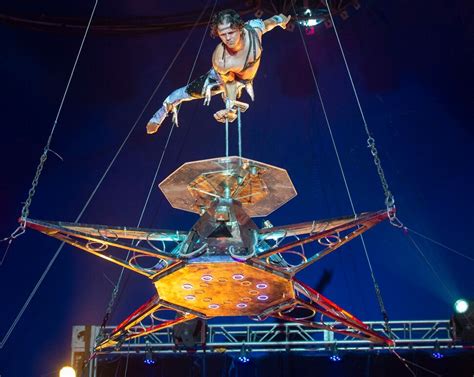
235, 63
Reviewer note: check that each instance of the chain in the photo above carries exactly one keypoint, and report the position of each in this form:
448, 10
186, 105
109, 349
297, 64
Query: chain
108, 312
389, 198
25, 211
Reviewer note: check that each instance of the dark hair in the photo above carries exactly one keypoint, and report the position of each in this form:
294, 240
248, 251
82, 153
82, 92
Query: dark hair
228, 15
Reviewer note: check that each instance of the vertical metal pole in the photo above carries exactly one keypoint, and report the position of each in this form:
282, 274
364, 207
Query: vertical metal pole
240, 131
227, 106
226, 137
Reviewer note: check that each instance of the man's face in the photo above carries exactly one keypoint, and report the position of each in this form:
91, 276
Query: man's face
230, 36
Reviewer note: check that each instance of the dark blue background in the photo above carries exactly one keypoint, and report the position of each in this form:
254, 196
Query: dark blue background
412, 65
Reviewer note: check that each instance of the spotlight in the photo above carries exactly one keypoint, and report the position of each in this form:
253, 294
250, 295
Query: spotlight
67, 372
148, 354
461, 306
335, 358
310, 22
244, 356
191, 333
335, 354
462, 322
437, 351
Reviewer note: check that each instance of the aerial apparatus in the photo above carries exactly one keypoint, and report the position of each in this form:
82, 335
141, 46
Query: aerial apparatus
225, 265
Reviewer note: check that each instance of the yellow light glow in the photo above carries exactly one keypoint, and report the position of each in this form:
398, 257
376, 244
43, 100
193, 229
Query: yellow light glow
67, 372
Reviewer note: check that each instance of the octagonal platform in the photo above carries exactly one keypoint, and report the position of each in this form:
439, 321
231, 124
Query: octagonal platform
224, 289
260, 188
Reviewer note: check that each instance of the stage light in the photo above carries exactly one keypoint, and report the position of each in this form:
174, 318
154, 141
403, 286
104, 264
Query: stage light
190, 334
67, 372
335, 354
462, 322
244, 356
461, 306
148, 354
310, 22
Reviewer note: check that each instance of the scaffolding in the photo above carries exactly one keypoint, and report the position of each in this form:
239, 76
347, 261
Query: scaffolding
260, 337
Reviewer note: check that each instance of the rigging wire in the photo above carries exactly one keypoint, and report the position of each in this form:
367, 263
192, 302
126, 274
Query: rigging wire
341, 168
389, 198
21, 229
406, 362
435, 273
439, 244
152, 185
86, 205
26, 207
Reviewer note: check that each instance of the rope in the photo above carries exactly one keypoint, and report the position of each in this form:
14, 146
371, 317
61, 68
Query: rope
389, 198
152, 185
341, 168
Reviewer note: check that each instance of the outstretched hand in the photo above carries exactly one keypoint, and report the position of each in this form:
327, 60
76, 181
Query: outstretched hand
285, 20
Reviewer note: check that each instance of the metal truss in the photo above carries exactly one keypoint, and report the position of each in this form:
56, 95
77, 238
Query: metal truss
289, 336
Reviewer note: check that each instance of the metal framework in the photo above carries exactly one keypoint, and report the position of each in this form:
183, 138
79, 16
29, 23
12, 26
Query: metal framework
183, 20
261, 337
225, 265
288, 336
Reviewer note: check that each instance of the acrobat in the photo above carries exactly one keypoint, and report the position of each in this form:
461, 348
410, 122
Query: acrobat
235, 63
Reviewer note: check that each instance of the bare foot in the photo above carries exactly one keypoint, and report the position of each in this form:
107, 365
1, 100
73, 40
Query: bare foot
151, 128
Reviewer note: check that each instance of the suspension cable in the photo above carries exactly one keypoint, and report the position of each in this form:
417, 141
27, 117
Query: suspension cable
152, 185
86, 205
44, 156
435, 273
405, 362
439, 244
341, 168
26, 207
389, 198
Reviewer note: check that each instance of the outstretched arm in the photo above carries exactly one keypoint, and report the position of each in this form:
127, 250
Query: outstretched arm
277, 20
